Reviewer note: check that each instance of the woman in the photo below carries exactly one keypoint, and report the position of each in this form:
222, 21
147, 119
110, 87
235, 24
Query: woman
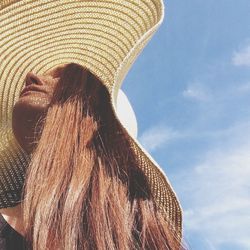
80, 180
83, 188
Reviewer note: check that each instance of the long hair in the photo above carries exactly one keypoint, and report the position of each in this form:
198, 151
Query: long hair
83, 187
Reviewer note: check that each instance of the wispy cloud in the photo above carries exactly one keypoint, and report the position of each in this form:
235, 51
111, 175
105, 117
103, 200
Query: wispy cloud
197, 91
157, 136
242, 57
217, 193
244, 88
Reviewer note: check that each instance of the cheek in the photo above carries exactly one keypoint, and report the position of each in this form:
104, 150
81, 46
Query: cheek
31, 104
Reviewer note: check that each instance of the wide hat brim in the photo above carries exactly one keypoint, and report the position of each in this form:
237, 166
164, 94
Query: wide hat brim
105, 36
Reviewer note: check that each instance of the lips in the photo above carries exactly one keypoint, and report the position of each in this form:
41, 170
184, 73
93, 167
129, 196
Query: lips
31, 87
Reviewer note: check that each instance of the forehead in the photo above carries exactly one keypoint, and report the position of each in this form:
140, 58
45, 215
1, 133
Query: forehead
56, 70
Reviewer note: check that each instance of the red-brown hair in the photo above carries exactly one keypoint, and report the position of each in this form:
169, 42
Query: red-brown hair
84, 189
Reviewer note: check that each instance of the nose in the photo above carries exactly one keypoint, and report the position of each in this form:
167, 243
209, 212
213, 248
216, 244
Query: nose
32, 78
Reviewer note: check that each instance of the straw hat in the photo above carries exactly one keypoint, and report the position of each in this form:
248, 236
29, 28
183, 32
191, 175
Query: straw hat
106, 36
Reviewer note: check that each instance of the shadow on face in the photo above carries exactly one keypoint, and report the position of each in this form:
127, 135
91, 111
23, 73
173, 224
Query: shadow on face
33, 104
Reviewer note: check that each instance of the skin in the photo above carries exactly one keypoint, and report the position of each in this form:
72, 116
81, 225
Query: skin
33, 105
27, 111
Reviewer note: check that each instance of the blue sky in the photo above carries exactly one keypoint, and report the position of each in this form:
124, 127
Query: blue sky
190, 90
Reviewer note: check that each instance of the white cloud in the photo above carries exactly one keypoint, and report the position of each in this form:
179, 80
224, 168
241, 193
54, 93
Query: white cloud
157, 136
197, 92
217, 193
242, 57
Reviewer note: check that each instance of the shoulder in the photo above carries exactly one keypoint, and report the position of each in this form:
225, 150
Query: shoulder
9, 238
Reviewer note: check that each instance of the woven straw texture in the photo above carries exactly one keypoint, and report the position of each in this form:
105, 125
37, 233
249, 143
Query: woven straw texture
106, 36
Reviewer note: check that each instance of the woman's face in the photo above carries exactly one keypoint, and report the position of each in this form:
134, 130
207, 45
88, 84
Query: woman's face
32, 105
